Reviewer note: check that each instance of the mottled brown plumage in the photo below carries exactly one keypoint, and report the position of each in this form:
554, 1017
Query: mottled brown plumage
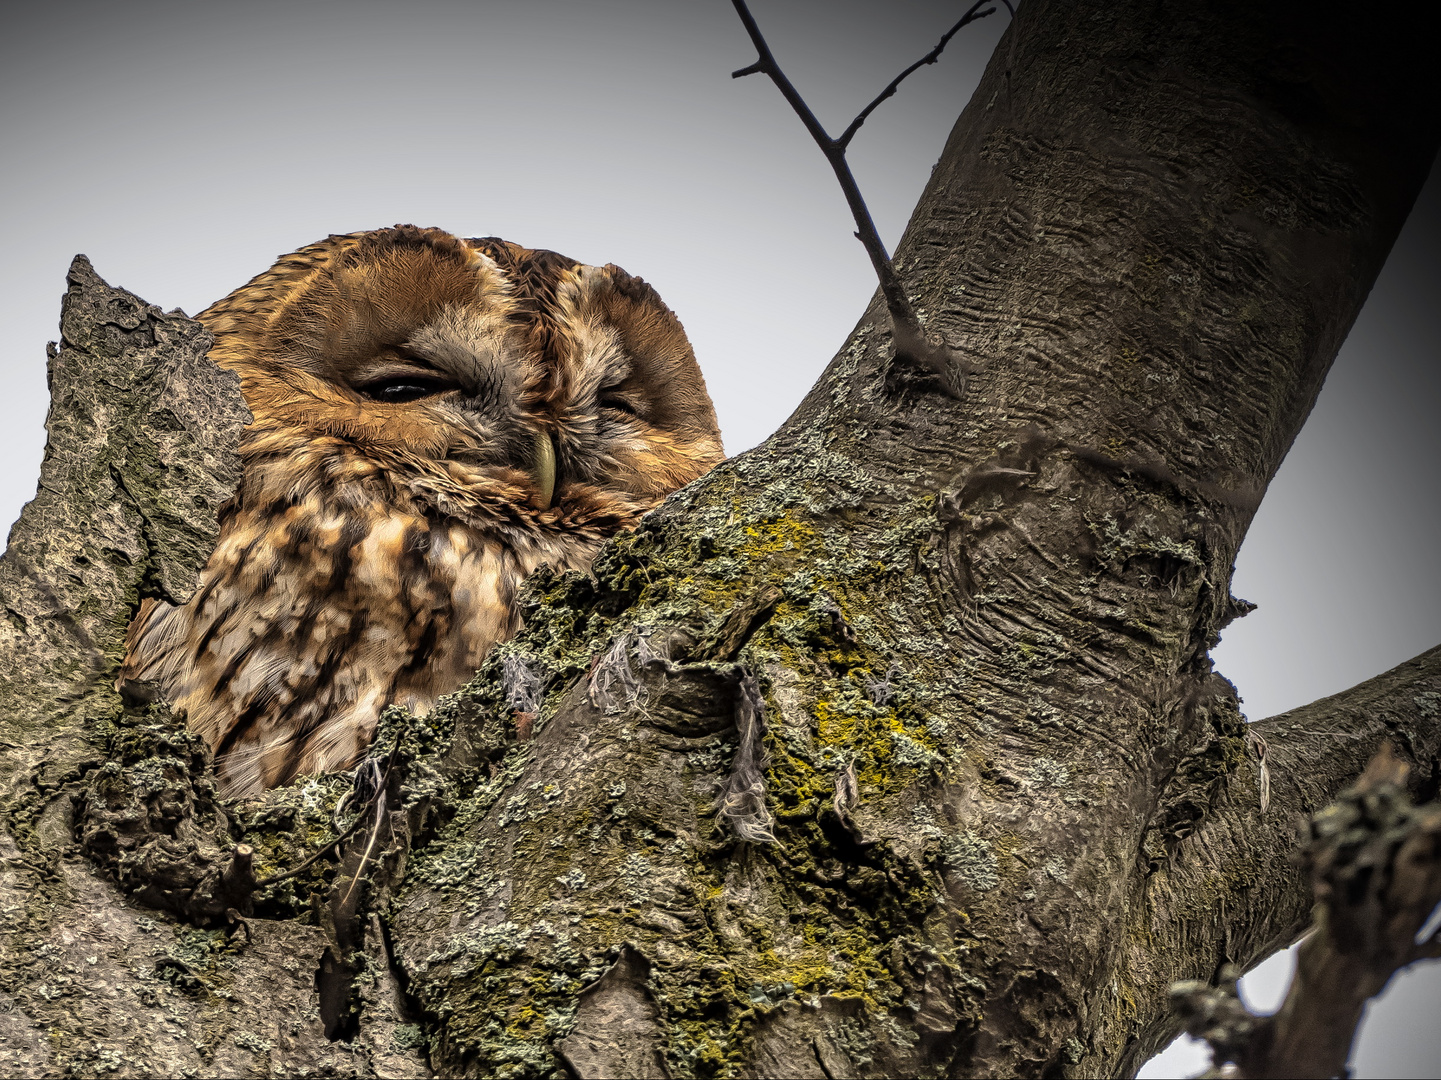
416, 398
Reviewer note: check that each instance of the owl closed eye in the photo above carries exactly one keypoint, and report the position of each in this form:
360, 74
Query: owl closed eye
434, 419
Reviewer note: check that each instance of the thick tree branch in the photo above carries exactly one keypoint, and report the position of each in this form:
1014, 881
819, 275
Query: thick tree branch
1374, 859
980, 859
1230, 881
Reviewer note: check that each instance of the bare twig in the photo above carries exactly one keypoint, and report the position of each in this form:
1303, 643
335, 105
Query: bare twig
930, 58
327, 847
1375, 864
908, 337
380, 781
737, 628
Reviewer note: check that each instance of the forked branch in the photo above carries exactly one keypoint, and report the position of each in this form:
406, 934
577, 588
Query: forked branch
908, 337
1375, 863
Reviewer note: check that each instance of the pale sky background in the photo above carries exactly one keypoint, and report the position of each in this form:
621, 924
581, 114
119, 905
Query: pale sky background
184, 146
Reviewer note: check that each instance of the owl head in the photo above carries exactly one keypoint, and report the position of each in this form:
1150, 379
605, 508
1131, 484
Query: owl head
485, 380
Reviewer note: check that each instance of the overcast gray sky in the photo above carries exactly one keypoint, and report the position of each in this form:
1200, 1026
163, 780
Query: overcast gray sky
184, 146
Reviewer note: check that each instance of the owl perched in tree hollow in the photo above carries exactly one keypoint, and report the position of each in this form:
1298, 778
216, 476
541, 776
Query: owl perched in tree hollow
435, 418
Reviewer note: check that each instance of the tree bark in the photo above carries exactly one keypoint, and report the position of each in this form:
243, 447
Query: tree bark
140, 456
891, 747
1374, 859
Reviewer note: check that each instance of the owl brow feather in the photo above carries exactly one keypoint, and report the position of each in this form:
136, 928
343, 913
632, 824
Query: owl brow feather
908, 337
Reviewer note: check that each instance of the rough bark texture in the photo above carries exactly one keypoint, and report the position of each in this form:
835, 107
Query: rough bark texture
888, 748
142, 433
1011, 802
1374, 859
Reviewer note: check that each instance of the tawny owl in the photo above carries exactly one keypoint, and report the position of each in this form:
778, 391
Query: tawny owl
434, 419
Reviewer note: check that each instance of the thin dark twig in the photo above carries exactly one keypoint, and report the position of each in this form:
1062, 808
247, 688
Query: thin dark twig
896, 302
264, 882
930, 58
908, 339
360, 816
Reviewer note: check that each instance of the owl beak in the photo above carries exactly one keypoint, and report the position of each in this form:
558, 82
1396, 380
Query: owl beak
542, 470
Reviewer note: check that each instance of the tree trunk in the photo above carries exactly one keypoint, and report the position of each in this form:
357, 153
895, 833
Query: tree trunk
890, 747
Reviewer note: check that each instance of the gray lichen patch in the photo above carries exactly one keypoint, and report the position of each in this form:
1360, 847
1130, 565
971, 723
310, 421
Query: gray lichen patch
628, 850
971, 861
